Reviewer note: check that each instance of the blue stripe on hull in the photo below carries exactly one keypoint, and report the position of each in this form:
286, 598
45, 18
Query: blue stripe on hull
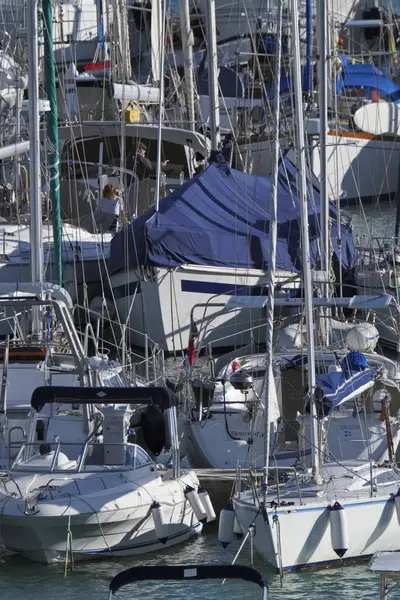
326, 563
216, 287
143, 545
201, 287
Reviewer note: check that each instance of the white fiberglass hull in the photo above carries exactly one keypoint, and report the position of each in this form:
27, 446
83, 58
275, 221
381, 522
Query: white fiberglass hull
160, 305
83, 258
295, 537
100, 523
358, 166
228, 441
226, 427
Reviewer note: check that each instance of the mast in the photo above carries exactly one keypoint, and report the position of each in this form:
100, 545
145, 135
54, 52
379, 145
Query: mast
101, 28
307, 69
34, 163
212, 57
322, 40
273, 233
52, 132
187, 45
305, 242
161, 106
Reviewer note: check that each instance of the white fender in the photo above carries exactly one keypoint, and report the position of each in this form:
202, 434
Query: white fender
206, 502
160, 525
226, 525
195, 502
339, 530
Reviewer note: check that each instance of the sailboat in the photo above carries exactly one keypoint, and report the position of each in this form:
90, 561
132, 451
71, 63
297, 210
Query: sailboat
334, 510
225, 405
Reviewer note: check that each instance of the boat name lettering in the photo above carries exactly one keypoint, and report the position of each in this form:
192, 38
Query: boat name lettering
247, 434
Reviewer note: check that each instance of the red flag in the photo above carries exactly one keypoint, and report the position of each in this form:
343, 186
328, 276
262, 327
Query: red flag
235, 365
192, 349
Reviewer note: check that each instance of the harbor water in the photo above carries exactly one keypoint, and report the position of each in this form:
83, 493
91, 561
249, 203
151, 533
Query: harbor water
21, 579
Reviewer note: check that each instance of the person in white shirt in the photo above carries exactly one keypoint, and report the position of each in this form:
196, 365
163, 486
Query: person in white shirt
109, 209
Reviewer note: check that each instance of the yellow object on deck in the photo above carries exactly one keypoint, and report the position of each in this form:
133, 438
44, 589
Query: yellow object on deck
132, 115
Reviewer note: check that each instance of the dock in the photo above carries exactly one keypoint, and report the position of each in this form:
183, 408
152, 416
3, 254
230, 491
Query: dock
219, 483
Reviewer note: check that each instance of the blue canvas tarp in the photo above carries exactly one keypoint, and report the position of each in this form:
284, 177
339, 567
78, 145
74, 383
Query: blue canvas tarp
369, 78
221, 218
335, 388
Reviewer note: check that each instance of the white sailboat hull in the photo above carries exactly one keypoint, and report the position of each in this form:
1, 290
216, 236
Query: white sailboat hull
357, 166
83, 258
226, 442
303, 535
160, 305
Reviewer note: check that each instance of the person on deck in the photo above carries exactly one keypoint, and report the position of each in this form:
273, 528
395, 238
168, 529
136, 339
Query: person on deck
109, 210
141, 165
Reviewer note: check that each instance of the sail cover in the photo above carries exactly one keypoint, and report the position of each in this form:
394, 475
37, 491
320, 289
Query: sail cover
337, 387
221, 218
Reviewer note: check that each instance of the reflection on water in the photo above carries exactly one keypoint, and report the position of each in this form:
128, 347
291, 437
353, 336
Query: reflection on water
23, 580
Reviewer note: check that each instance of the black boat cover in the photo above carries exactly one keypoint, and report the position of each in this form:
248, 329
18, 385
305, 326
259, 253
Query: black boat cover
181, 572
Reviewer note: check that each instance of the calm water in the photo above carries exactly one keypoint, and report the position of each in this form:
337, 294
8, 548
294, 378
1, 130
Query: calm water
376, 219
23, 580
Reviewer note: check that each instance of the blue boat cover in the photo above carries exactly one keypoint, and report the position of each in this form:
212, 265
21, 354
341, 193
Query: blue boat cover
368, 77
335, 388
221, 218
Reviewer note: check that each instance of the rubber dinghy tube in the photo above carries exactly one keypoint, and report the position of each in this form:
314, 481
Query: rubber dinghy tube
339, 529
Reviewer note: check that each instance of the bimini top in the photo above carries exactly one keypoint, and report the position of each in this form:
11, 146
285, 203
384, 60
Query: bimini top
162, 396
221, 218
187, 572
